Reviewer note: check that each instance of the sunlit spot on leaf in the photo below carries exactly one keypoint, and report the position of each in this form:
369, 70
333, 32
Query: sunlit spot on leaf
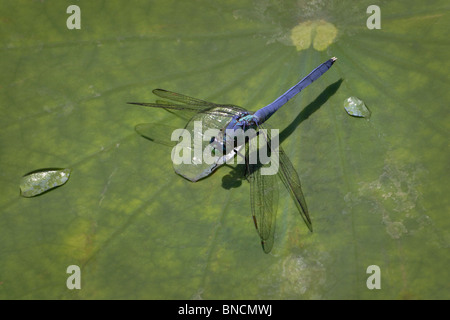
320, 33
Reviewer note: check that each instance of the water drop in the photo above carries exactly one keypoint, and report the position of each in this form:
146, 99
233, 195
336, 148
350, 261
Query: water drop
356, 108
42, 180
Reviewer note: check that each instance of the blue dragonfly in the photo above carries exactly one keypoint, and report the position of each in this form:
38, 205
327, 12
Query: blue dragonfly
229, 123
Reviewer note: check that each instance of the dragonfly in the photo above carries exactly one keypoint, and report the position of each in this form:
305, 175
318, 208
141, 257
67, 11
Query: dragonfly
229, 122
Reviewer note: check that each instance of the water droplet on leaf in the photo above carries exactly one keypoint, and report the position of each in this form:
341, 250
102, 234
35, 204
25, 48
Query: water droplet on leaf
42, 180
356, 108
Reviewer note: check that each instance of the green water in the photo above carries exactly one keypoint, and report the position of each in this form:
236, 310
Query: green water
377, 190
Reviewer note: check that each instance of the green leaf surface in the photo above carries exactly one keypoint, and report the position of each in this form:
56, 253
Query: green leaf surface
377, 190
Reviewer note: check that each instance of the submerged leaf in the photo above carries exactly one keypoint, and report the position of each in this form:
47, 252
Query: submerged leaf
43, 180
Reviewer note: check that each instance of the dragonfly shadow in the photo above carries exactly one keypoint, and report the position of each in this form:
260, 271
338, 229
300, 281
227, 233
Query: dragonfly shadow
310, 109
235, 177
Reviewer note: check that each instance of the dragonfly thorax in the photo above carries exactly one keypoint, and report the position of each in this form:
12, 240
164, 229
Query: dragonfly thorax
235, 132
244, 121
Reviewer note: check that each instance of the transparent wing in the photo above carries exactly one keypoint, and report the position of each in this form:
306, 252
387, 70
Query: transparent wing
172, 107
204, 157
263, 193
289, 176
188, 104
165, 94
195, 144
291, 181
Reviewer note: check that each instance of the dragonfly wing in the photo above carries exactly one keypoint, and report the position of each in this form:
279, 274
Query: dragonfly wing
263, 197
172, 106
181, 98
203, 157
187, 111
289, 176
291, 181
194, 145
